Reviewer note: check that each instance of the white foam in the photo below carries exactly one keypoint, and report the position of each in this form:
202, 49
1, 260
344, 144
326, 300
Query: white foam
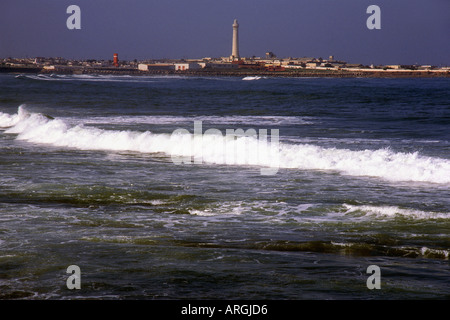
214, 120
7, 120
381, 163
210, 212
394, 211
279, 211
427, 251
95, 78
250, 78
424, 251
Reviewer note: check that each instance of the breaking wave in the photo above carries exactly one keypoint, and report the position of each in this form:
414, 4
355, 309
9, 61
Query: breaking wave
394, 211
94, 77
219, 149
188, 120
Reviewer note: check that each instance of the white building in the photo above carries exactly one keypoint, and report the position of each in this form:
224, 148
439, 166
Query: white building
186, 66
312, 65
142, 67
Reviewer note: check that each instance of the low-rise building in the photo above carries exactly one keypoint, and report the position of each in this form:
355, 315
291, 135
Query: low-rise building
312, 64
156, 66
221, 65
183, 66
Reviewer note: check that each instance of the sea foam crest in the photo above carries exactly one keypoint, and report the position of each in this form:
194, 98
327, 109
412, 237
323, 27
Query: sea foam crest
7, 120
394, 211
382, 163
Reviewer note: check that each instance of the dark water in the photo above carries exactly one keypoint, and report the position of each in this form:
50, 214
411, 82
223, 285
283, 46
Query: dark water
88, 177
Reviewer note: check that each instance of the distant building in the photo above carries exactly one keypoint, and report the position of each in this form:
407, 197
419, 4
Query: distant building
394, 66
270, 55
143, 67
312, 64
352, 65
186, 66
156, 66
294, 66
38, 60
221, 65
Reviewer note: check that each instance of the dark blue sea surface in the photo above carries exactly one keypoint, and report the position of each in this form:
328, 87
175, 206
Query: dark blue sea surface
135, 180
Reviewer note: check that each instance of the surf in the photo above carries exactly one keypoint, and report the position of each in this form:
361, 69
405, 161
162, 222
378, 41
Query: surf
250, 78
382, 163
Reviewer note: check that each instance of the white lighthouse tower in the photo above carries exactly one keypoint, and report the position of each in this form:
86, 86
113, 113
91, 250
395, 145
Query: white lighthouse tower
235, 48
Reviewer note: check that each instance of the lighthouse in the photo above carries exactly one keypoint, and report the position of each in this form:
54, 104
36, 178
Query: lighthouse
235, 47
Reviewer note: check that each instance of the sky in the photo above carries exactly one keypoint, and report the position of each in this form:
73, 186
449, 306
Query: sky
412, 31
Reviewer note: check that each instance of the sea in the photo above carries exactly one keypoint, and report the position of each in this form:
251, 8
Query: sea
177, 187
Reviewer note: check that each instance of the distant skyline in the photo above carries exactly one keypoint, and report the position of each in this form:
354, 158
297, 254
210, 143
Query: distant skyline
412, 31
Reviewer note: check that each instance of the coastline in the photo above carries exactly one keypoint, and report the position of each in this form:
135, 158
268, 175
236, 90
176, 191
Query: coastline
306, 73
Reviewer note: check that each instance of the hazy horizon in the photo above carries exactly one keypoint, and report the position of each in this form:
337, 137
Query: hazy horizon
412, 31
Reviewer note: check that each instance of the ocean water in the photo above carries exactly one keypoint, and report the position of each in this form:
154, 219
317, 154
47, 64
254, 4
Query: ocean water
148, 185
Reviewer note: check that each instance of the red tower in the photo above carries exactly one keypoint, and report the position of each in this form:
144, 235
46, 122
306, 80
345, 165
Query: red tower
116, 60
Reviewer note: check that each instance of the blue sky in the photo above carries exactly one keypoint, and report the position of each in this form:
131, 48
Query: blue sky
412, 31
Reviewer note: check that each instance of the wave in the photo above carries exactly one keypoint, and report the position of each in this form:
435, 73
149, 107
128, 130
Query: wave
53, 77
360, 249
95, 77
188, 120
220, 149
383, 163
393, 211
250, 78
7, 120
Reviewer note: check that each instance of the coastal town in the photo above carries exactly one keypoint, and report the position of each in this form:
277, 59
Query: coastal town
269, 65
233, 65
